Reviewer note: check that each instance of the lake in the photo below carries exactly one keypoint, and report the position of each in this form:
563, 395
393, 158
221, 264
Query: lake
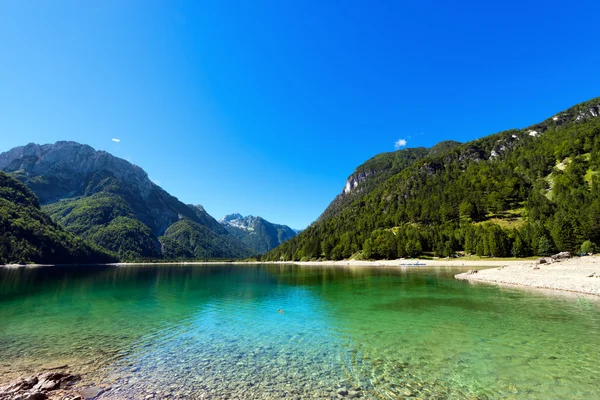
214, 331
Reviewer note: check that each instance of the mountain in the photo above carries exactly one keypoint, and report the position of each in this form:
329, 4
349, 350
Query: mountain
520, 192
189, 239
257, 233
205, 219
28, 235
377, 170
67, 170
108, 200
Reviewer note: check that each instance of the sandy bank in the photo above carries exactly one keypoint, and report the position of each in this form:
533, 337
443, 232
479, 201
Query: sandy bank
581, 274
451, 262
446, 262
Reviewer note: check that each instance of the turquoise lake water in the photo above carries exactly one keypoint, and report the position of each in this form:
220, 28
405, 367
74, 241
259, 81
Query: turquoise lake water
215, 332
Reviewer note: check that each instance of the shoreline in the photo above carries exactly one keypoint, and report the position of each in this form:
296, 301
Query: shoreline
453, 262
578, 275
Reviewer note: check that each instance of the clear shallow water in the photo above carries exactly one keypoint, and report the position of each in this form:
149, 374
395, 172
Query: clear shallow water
214, 331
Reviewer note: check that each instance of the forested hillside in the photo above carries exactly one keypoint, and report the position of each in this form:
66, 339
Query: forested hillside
189, 239
521, 192
377, 170
112, 203
28, 235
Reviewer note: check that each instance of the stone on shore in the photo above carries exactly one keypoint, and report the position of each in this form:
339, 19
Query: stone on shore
37, 387
561, 256
561, 273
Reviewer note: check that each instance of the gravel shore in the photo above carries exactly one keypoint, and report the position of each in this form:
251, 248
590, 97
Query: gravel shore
579, 274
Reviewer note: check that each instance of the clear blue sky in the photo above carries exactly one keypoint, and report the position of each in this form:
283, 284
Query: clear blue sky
265, 108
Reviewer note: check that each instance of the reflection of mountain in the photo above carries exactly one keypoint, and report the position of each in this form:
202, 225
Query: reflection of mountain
388, 331
177, 323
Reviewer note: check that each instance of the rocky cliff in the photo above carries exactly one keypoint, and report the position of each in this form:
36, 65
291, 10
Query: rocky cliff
376, 170
69, 169
256, 232
113, 203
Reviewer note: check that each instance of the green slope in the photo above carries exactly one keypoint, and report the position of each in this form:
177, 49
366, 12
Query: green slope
187, 239
109, 201
28, 235
376, 171
520, 192
106, 220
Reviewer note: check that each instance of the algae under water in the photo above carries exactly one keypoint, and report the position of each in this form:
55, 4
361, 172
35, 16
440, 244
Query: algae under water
215, 331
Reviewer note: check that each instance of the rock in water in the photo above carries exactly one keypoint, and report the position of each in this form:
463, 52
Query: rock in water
91, 392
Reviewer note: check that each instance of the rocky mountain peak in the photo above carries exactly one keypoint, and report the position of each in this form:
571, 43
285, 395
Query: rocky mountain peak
239, 221
67, 169
70, 163
256, 232
231, 217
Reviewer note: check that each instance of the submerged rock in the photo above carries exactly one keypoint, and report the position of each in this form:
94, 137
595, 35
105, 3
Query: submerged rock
91, 392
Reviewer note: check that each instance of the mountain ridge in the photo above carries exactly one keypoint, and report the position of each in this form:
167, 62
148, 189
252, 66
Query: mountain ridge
376, 170
256, 232
518, 192
108, 200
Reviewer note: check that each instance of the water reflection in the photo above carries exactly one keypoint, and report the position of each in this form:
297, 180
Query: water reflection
214, 330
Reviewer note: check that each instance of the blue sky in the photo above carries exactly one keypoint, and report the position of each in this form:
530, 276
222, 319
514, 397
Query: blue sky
265, 108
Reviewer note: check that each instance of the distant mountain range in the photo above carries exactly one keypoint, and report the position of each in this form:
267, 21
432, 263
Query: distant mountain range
521, 192
257, 233
113, 204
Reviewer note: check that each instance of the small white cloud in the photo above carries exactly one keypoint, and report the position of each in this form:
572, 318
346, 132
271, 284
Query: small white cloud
400, 143
156, 182
116, 140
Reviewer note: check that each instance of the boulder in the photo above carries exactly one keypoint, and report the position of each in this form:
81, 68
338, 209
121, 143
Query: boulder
34, 396
20, 385
36, 387
562, 255
91, 392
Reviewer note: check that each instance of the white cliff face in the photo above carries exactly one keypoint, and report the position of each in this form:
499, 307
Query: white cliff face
354, 180
239, 221
349, 186
590, 112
